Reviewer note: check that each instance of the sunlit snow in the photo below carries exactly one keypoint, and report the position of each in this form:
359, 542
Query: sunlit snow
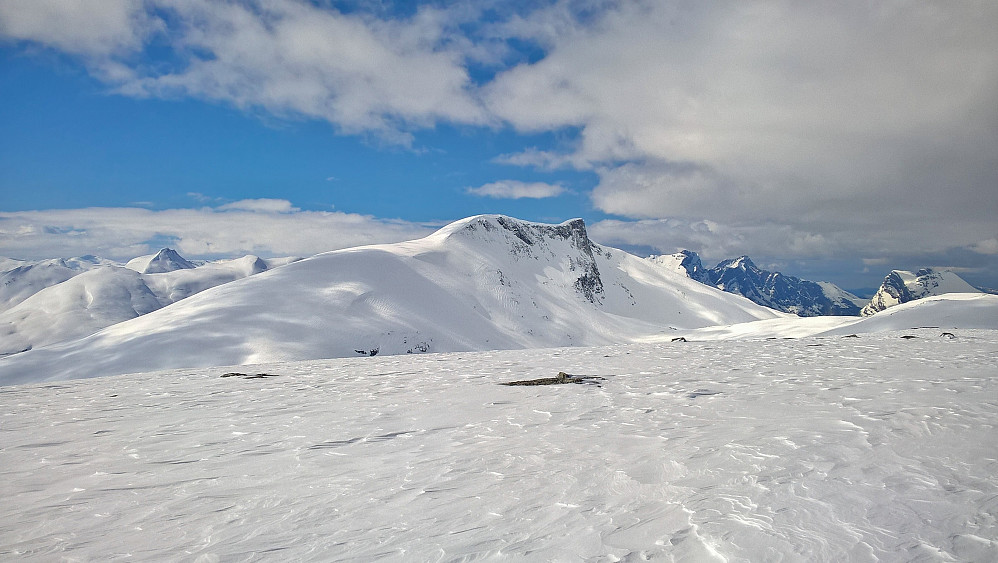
816, 449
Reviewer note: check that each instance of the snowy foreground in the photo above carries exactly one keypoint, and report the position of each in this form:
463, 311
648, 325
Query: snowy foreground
818, 449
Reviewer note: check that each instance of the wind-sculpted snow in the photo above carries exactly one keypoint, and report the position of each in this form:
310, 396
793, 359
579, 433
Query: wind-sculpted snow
484, 283
820, 449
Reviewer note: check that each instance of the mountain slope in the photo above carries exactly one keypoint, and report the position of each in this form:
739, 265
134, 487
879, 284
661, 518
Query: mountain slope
76, 307
487, 282
21, 279
771, 289
106, 295
901, 286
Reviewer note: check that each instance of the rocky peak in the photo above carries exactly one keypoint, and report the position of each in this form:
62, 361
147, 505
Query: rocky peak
167, 260
538, 241
902, 286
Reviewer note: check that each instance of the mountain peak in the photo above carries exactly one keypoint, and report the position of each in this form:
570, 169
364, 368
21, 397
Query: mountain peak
743, 262
902, 286
166, 260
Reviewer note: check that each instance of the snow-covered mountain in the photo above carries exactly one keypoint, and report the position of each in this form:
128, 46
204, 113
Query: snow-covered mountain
685, 262
166, 260
486, 282
771, 289
96, 294
901, 286
20, 279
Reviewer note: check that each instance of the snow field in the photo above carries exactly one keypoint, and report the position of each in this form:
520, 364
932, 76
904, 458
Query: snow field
818, 449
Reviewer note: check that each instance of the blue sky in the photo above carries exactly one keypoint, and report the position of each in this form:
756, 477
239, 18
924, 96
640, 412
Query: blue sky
830, 142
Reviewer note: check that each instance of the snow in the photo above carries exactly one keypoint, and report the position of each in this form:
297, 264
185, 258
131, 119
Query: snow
838, 295
817, 449
484, 283
166, 260
943, 312
901, 286
20, 279
81, 305
55, 309
671, 262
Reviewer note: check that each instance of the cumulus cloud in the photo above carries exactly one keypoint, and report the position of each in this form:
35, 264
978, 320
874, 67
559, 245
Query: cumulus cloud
289, 58
515, 189
78, 26
268, 229
849, 120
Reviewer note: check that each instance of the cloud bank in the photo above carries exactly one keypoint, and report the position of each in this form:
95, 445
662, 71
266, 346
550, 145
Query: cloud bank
264, 227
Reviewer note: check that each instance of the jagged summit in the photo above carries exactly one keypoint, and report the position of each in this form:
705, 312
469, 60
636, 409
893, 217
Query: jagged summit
743, 262
771, 289
902, 286
508, 228
166, 260
502, 237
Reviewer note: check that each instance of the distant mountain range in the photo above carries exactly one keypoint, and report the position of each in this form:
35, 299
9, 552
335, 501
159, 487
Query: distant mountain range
809, 298
486, 282
771, 289
55, 300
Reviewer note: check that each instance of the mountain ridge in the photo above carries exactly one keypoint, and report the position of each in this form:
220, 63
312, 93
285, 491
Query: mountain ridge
778, 291
482, 283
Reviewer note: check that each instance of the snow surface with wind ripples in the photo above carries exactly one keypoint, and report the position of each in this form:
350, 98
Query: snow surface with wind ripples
819, 449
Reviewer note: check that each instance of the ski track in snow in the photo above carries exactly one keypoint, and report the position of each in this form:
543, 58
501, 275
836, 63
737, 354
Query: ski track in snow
818, 449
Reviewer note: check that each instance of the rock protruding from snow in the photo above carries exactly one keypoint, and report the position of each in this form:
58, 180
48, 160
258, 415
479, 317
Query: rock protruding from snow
772, 289
166, 260
901, 286
524, 239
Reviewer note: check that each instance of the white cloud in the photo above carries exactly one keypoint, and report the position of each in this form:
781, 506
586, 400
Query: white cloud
78, 26
123, 233
515, 189
714, 241
849, 120
288, 58
988, 246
